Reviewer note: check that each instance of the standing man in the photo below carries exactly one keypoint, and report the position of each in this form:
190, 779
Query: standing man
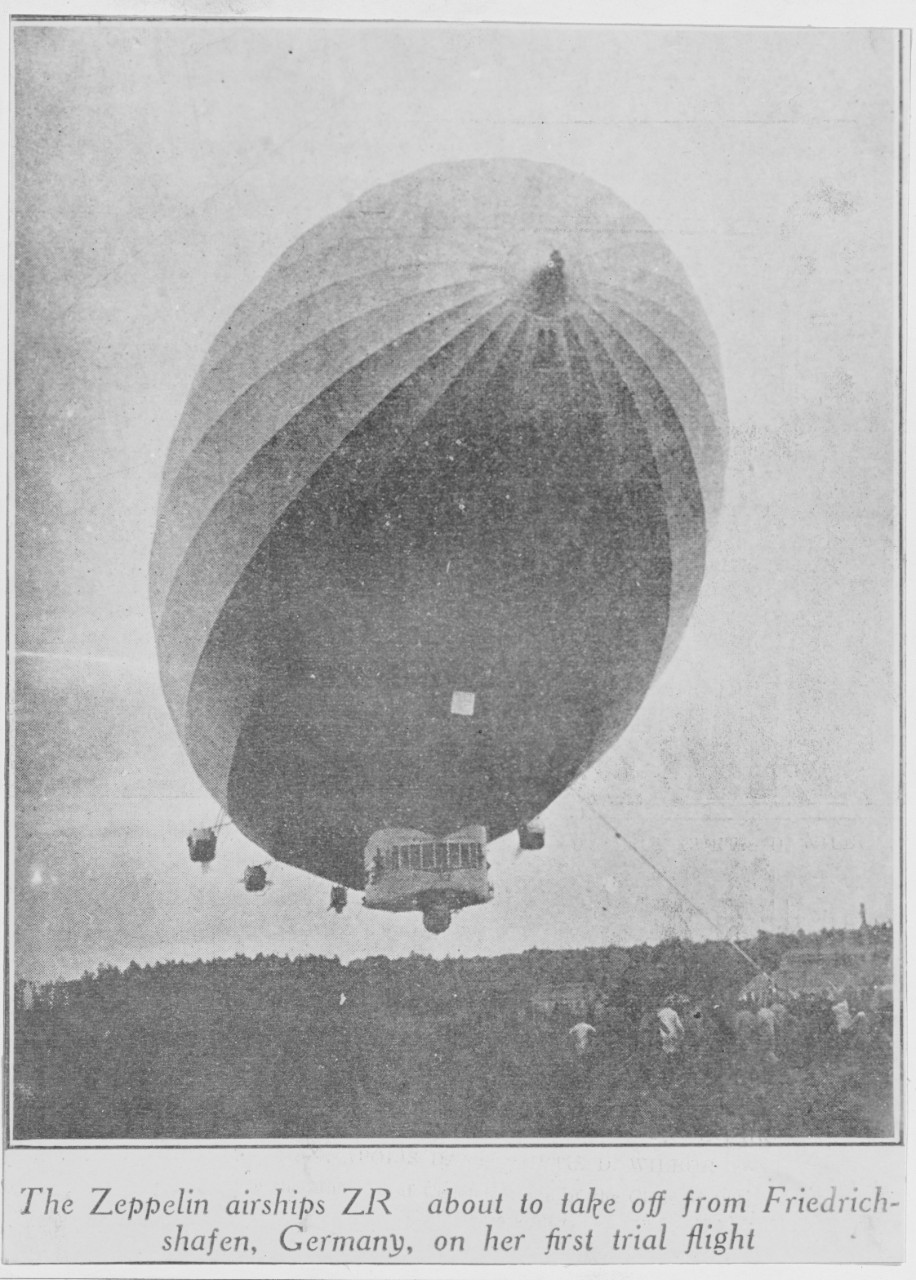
672, 1029
582, 1031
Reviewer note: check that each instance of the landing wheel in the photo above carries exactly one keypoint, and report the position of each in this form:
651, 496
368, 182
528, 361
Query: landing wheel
437, 918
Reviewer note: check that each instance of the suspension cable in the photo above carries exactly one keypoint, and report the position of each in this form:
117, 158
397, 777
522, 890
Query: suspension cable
222, 820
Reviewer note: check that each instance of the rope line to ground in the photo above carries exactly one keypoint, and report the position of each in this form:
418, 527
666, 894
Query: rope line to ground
723, 935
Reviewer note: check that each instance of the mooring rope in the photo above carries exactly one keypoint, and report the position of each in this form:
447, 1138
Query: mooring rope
723, 934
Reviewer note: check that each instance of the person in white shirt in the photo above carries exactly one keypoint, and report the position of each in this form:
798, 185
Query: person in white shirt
582, 1031
672, 1030
844, 1019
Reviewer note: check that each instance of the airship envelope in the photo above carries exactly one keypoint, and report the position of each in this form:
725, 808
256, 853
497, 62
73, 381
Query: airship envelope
435, 513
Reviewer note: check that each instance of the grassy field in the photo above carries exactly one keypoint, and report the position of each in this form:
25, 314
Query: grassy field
266, 1048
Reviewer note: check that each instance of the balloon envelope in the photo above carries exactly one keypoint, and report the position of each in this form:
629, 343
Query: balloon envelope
435, 514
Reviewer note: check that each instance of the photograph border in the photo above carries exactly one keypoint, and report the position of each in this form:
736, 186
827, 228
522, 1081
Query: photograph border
900, 1020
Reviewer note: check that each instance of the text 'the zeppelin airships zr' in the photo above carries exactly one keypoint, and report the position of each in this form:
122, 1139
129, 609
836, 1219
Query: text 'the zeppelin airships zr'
433, 519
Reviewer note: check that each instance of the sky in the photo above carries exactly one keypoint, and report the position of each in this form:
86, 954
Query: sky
162, 168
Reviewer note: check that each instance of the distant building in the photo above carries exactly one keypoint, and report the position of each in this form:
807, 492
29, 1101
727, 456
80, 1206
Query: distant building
576, 998
762, 989
828, 966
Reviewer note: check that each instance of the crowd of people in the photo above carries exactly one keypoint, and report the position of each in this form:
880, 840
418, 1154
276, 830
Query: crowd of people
763, 1026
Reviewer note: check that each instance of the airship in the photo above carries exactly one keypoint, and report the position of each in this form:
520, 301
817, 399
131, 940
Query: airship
433, 520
